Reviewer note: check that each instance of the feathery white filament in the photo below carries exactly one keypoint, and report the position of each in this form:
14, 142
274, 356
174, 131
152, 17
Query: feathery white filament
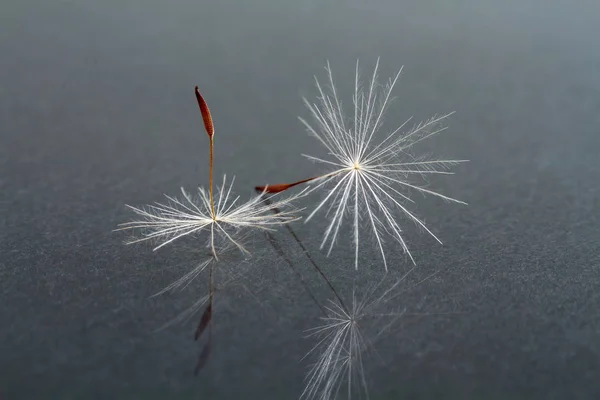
368, 177
180, 217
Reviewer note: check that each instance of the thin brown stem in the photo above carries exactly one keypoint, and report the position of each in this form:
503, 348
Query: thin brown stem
212, 201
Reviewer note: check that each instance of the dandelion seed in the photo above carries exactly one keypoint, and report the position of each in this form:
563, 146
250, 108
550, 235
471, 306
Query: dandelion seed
222, 216
188, 215
370, 178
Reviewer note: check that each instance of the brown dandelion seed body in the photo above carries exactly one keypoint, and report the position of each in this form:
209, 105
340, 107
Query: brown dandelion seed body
206, 117
283, 186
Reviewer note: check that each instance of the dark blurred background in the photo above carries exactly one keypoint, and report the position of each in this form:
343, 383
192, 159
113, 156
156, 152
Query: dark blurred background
97, 110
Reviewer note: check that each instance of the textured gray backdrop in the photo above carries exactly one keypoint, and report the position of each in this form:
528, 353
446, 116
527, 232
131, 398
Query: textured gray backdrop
97, 110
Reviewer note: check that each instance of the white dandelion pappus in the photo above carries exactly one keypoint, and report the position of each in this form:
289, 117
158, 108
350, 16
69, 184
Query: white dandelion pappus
369, 176
188, 215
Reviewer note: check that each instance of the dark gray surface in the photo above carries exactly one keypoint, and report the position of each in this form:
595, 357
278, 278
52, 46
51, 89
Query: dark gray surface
97, 110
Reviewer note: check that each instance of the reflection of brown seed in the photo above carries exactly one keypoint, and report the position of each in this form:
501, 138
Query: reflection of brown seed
203, 358
208, 124
282, 186
204, 321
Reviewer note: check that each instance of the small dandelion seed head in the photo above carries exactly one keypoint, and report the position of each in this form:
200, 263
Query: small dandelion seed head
370, 174
189, 215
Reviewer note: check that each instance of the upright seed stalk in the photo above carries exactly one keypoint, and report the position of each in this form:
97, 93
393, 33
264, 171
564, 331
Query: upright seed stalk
212, 201
207, 317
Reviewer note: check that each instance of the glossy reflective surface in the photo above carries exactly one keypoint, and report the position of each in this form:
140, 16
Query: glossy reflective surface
97, 110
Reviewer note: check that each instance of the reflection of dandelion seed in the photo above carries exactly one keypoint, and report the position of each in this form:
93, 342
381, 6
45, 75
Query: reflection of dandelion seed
340, 349
369, 178
223, 271
228, 265
342, 343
